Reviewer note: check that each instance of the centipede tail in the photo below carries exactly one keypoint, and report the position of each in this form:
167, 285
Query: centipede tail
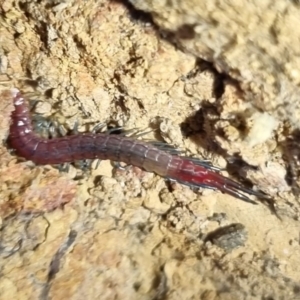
192, 174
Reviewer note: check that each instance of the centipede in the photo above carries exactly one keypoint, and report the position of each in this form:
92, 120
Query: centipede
118, 148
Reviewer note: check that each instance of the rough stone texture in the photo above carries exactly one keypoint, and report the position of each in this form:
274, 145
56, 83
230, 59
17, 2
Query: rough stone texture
127, 234
255, 42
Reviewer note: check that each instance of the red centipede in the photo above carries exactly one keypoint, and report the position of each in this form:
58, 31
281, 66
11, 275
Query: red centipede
117, 148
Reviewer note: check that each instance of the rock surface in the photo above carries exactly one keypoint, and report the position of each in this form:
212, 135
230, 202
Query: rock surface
254, 42
127, 234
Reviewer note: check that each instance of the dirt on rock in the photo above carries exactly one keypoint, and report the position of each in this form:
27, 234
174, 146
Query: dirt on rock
123, 233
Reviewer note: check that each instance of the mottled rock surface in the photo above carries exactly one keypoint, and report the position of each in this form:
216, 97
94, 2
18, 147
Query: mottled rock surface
255, 42
128, 234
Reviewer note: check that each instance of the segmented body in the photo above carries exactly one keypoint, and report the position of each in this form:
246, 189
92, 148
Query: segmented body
116, 148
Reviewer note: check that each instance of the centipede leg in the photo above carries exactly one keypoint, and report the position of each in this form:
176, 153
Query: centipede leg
98, 163
118, 166
64, 167
98, 127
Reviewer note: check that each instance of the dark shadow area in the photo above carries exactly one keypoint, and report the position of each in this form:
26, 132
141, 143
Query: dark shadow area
186, 31
291, 154
137, 15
